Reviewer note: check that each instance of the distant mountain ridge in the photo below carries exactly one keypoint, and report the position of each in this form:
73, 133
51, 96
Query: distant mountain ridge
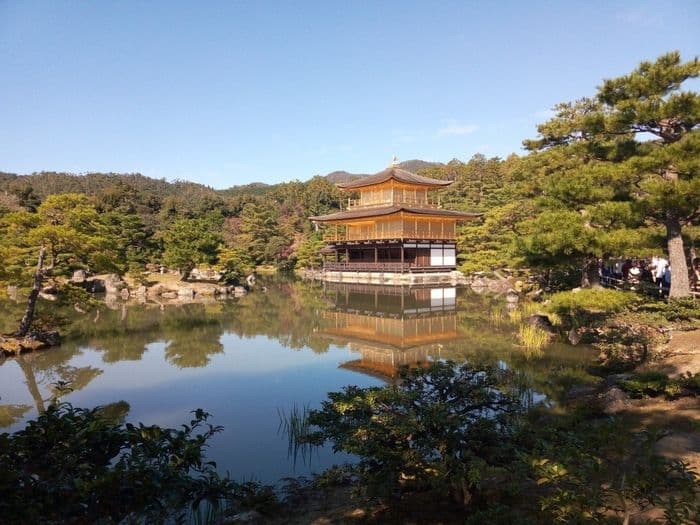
409, 165
46, 183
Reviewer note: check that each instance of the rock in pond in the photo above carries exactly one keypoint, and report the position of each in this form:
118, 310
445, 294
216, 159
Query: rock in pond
614, 400
542, 322
203, 274
114, 283
249, 516
10, 345
79, 276
185, 293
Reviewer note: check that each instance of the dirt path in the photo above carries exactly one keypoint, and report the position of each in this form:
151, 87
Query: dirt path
680, 355
680, 418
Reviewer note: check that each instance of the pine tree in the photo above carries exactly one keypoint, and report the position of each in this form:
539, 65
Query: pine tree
636, 142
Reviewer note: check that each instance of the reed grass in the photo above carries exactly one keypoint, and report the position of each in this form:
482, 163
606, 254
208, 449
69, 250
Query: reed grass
496, 316
532, 339
526, 309
515, 315
295, 426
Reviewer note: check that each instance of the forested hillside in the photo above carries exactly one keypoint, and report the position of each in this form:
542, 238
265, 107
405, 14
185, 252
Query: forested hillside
617, 174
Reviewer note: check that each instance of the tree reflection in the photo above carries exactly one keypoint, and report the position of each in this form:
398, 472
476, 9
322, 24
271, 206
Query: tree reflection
43, 372
474, 328
11, 414
192, 336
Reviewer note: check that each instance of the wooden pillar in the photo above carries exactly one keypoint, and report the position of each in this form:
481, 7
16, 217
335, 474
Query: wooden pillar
347, 255
402, 257
376, 254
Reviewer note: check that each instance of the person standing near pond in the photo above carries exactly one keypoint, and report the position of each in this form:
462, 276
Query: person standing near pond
661, 265
666, 279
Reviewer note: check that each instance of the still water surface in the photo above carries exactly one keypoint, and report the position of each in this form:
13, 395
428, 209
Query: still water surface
247, 359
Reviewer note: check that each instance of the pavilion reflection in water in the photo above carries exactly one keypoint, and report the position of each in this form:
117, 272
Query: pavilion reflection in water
391, 326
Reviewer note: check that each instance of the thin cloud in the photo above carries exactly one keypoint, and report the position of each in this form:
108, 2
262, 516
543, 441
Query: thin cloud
639, 17
452, 127
544, 114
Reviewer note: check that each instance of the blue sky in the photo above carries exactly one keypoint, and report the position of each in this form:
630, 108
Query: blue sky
228, 93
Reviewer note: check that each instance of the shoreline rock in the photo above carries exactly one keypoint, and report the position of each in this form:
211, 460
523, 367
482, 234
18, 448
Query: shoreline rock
12, 346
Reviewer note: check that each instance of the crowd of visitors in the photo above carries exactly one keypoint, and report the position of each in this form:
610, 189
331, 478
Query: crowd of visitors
655, 271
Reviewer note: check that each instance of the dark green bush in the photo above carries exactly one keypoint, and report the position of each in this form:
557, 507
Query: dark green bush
459, 431
75, 465
654, 384
445, 428
690, 381
581, 307
684, 309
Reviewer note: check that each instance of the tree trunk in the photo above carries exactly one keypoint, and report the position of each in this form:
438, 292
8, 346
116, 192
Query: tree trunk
31, 383
590, 276
680, 284
28, 317
185, 274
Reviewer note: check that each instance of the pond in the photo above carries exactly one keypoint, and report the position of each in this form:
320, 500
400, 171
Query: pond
247, 360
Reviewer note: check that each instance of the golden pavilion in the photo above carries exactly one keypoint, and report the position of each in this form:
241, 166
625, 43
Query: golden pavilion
393, 223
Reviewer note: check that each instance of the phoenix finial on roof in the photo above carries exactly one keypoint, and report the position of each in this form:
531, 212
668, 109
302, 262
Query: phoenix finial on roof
394, 160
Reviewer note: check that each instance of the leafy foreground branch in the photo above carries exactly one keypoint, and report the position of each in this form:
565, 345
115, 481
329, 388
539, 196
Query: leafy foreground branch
464, 433
448, 444
74, 465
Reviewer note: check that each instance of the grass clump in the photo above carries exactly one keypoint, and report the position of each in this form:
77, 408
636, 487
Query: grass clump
295, 426
653, 384
650, 384
496, 316
674, 310
586, 306
532, 338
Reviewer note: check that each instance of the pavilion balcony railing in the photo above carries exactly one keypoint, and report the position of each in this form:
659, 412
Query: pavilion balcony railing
367, 266
434, 231
420, 202
361, 266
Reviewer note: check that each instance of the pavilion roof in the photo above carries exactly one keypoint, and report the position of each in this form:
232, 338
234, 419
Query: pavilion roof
389, 210
398, 175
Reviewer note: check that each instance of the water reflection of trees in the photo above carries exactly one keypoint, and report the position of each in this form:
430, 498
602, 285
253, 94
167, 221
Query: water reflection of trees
192, 334
412, 328
290, 312
11, 414
43, 373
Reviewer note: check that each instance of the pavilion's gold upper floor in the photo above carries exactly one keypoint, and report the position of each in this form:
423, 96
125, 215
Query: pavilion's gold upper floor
392, 187
392, 204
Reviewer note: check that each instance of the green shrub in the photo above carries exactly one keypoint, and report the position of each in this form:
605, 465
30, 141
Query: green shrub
583, 306
532, 339
654, 384
71, 295
690, 381
444, 427
596, 472
75, 465
683, 309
